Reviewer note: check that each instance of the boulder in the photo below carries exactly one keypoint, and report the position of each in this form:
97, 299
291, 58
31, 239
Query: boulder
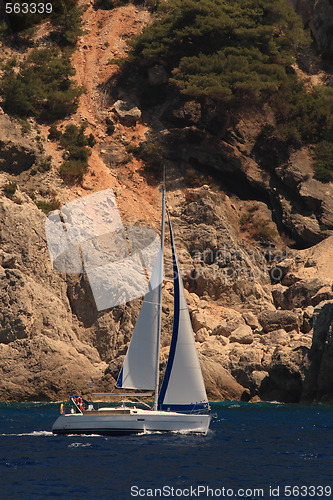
279, 337
227, 326
302, 293
256, 378
128, 114
201, 335
274, 320
243, 335
220, 384
7, 260
46, 369
251, 319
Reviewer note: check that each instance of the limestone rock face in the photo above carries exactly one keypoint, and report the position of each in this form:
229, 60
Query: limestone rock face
44, 351
318, 15
319, 381
16, 152
219, 383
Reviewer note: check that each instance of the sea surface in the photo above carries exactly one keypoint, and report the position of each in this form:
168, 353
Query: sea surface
252, 451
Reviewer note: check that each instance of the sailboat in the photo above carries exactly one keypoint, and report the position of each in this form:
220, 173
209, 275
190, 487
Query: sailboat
181, 404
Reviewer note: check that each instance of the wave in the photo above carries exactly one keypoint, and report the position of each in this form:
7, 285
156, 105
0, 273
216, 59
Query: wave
79, 445
33, 433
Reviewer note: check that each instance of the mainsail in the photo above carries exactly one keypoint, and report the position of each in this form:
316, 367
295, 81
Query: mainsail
183, 387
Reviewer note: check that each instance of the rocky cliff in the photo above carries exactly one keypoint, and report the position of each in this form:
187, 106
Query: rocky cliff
317, 15
255, 242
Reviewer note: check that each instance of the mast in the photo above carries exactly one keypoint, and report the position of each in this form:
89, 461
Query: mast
159, 320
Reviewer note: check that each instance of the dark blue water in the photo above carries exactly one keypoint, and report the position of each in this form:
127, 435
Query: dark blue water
252, 451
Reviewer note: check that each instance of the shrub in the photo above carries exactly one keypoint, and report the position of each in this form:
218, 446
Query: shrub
152, 156
48, 206
135, 150
69, 26
194, 179
323, 161
45, 165
25, 127
54, 133
91, 141
222, 49
10, 187
110, 128
42, 87
73, 170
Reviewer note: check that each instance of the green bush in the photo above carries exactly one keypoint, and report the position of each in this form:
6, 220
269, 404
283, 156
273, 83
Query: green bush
10, 187
22, 22
69, 26
110, 128
42, 87
48, 206
152, 156
45, 165
74, 140
54, 133
222, 49
73, 170
323, 161
135, 150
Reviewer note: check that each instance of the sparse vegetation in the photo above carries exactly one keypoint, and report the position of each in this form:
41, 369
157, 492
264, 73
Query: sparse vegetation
25, 127
194, 179
135, 150
258, 228
323, 161
152, 156
10, 187
77, 143
45, 164
42, 88
110, 127
73, 170
48, 206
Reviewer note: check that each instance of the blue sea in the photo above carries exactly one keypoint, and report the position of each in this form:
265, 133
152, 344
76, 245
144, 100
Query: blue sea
252, 451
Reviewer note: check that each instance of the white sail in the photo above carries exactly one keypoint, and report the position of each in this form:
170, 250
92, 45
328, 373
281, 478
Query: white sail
183, 387
139, 367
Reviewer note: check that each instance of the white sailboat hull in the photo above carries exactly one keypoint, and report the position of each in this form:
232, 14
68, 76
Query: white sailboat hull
108, 422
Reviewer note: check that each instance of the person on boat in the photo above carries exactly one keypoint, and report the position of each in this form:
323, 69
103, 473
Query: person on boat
79, 404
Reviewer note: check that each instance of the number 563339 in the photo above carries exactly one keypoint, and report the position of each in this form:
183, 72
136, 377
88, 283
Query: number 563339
29, 8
